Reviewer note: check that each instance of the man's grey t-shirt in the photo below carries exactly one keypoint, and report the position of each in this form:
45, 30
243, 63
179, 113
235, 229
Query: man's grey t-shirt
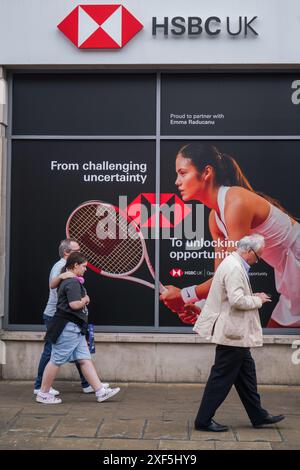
52, 300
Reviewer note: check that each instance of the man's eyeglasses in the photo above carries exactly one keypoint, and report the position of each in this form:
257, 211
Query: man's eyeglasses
256, 255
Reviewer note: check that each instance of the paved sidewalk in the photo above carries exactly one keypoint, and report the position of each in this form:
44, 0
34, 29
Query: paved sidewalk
141, 416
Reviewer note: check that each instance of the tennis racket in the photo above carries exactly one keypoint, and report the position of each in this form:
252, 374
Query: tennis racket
123, 249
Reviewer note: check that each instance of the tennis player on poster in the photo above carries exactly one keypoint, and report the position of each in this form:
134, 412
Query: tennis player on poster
215, 179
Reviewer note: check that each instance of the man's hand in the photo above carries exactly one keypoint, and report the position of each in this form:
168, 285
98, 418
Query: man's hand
66, 275
172, 299
55, 281
264, 297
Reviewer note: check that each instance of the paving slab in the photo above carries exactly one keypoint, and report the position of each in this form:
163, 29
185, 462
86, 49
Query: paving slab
7, 415
286, 445
179, 415
34, 425
267, 434
122, 428
186, 445
94, 410
212, 436
71, 444
243, 446
139, 411
19, 442
40, 409
79, 426
158, 429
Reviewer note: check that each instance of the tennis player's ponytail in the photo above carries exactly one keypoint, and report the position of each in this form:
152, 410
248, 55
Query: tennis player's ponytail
227, 170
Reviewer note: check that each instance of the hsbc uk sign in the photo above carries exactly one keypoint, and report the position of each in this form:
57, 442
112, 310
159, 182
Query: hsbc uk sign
211, 26
112, 26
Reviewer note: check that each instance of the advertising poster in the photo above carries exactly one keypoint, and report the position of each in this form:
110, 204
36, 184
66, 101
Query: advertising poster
92, 138
53, 178
186, 262
252, 108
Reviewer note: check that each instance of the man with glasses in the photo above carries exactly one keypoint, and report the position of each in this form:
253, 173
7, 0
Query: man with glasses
256, 256
66, 247
230, 319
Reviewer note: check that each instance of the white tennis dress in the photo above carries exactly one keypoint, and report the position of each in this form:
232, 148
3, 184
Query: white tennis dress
282, 252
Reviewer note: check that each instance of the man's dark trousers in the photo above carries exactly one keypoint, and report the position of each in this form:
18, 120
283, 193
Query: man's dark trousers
233, 366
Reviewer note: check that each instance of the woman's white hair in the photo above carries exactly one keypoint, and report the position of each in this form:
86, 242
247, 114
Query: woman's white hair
254, 242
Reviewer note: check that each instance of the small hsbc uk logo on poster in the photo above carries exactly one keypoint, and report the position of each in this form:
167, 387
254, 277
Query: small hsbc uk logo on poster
176, 272
100, 26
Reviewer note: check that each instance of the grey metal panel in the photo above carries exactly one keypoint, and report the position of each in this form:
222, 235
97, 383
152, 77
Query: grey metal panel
83, 137
8, 205
157, 190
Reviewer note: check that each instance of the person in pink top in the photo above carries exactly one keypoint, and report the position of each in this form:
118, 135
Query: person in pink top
216, 180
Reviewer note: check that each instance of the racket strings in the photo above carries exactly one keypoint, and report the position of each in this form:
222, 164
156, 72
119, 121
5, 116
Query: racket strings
121, 250
112, 255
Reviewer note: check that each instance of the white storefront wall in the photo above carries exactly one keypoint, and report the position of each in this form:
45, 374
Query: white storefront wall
29, 34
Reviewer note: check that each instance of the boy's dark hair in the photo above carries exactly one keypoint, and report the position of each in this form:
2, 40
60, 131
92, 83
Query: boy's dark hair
75, 258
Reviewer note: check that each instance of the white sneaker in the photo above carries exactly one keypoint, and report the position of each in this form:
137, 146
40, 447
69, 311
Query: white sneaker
107, 393
52, 391
90, 389
47, 399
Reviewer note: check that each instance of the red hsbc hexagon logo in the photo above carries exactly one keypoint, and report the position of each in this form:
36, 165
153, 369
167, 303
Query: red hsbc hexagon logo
100, 26
176, 272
